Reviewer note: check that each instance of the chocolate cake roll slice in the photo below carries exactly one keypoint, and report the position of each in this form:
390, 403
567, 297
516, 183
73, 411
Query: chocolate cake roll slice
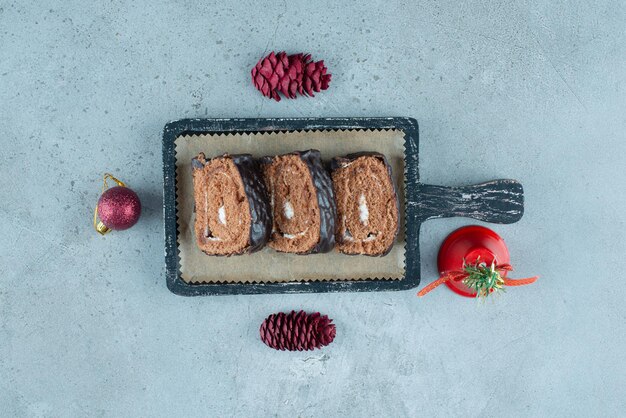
367, 204
231, 205
302, 201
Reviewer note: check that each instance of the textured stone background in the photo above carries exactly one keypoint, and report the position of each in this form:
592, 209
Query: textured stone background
531, 91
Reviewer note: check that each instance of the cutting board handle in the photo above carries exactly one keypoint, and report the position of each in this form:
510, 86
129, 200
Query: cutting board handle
497, 201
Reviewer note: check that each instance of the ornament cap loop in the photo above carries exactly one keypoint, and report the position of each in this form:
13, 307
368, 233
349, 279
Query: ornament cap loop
110, 176
100, 227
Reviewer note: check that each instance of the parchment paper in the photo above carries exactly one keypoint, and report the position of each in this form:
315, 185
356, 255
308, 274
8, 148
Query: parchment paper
268, 265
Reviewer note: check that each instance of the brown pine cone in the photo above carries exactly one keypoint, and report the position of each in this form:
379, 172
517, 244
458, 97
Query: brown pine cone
297, 331
289, 74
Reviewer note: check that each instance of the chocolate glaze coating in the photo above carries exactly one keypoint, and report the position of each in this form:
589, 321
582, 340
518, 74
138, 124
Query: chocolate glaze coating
260, 209
325, 198
337, 163
258, 200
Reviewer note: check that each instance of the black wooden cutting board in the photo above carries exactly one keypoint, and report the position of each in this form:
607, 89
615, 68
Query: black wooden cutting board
498, 201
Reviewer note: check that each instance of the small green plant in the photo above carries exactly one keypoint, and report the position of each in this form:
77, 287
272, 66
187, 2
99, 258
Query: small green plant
483, 279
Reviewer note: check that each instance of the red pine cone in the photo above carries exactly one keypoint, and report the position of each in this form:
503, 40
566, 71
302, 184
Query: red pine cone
297, 331
289, 74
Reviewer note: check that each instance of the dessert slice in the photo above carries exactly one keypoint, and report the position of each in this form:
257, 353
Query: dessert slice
367, 204
302, 201
231, 205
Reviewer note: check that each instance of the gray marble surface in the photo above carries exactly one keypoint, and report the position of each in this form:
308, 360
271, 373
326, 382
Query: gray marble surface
524, 90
